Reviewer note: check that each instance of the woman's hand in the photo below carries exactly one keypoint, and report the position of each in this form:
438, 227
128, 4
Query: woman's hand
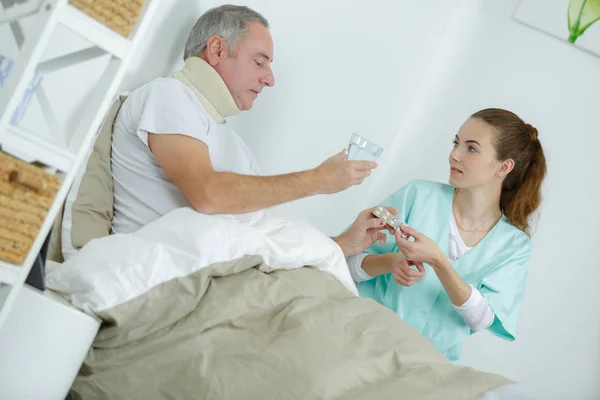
422, 249
403, 272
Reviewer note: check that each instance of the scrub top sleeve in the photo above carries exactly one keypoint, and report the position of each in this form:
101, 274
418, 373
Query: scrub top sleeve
504, 289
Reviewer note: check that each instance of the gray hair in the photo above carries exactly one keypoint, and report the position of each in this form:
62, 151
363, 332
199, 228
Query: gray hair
227, 21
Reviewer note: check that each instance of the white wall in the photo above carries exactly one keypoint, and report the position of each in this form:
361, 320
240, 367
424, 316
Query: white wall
406, 75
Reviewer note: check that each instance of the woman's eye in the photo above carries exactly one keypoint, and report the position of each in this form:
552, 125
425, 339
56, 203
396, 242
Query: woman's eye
454, 143
258, 63
472, 149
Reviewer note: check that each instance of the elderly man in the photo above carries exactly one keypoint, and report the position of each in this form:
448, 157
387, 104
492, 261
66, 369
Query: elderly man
171, 146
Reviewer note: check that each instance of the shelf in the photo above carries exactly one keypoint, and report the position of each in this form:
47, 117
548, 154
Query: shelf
8, 273
94, 31
26, 145
52, 149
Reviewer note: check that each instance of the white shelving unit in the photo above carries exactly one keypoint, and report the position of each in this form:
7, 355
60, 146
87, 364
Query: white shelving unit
9, 273
61, 154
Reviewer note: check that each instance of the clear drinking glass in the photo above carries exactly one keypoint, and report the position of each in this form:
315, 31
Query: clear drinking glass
360, 148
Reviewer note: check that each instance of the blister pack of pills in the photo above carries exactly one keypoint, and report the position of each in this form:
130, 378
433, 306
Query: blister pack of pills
389, 218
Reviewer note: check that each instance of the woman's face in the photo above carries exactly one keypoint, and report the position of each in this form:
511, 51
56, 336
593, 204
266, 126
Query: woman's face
473, 159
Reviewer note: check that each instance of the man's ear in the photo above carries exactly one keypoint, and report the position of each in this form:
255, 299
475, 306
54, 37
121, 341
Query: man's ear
215, 49
505, 167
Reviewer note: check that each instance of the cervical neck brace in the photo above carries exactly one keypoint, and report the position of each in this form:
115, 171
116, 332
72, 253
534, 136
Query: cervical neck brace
209, 88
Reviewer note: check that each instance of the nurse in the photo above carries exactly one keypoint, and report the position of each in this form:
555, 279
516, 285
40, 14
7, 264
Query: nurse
464, 265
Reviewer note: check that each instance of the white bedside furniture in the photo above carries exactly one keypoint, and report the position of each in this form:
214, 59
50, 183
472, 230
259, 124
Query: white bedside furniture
42, 345
43, 340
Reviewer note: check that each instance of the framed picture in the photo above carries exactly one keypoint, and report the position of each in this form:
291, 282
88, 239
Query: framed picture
572, 21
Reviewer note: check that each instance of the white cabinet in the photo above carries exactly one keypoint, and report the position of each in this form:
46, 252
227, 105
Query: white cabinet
42, 345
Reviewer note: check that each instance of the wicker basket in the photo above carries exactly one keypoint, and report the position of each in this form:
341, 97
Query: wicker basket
118, 15
26, 194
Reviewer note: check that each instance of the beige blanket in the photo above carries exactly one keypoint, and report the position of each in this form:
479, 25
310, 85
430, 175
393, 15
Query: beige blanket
287, 334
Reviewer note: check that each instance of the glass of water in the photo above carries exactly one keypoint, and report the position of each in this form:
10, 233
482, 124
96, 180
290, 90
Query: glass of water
360, 148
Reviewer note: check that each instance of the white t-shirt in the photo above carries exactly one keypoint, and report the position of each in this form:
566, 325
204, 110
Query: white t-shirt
142, 190
456, 245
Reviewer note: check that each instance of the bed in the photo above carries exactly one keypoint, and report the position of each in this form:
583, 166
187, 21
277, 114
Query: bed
253, 306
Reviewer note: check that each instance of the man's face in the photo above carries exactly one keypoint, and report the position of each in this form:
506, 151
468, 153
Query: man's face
248, 69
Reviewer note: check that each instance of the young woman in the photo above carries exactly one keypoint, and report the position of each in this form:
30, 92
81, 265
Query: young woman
464, 265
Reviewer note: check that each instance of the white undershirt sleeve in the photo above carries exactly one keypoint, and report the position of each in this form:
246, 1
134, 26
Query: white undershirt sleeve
355, 266
476, 311
171, 108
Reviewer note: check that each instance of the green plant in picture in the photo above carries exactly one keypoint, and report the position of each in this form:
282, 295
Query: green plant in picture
581, 15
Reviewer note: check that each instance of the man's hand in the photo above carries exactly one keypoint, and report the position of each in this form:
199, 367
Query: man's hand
365, 231
336, 173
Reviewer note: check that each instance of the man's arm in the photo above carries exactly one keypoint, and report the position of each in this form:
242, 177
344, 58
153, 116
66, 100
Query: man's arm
187, 162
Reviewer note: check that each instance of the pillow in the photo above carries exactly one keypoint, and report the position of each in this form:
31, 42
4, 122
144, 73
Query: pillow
88, 208
55, 245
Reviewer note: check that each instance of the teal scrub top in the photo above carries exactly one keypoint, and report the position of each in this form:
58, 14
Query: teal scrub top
496, 266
